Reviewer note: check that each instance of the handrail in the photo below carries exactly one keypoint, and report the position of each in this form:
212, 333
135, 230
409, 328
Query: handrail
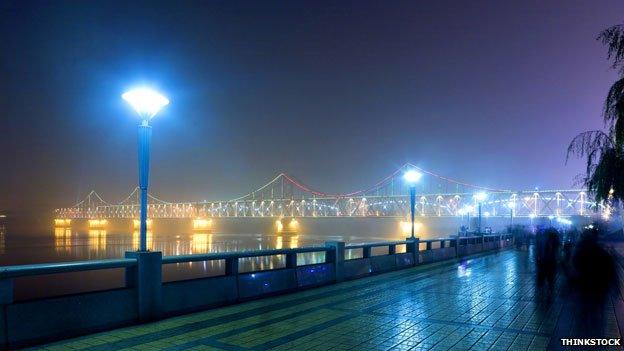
63, 267
375, 244
240, 254
78, 266
436, 240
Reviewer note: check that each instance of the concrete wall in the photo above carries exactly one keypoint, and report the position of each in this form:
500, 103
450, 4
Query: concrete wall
53, 318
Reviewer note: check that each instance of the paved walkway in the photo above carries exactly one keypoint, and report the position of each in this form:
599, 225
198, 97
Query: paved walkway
488, 302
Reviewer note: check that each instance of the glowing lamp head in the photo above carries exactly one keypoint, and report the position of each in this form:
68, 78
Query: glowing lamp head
480, 196
146, 102
412, 177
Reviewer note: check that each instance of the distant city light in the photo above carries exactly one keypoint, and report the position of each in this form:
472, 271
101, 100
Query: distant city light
480, 196
97, 223
62, 222
146, 102
412, 177
201, 223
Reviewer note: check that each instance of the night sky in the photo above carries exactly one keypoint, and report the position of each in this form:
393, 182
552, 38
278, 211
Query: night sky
338, 95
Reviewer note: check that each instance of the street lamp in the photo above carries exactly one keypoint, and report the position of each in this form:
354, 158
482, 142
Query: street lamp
480, 197
146, 103
412, 177
469, 209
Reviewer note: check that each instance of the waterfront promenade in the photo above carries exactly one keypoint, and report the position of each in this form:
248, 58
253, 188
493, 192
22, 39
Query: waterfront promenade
486, 302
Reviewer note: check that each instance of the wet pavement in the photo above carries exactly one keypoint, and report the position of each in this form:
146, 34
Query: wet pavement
489, 302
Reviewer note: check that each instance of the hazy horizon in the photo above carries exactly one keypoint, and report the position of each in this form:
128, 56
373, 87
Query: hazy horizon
337, 96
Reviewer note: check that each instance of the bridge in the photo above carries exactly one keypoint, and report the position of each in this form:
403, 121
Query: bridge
284, 196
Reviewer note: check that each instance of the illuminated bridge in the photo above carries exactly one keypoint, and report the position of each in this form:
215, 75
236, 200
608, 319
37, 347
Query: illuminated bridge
436, 196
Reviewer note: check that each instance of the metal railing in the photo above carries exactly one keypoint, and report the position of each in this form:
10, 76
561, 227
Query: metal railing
240, 254
7, 272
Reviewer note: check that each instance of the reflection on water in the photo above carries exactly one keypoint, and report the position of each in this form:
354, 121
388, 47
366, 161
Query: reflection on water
292, 242
136, 224
2, 238
98, 243
97, 240
201, 242
136, 239
90, 240
62, 239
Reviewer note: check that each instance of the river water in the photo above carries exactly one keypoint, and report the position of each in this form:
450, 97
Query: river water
77, 241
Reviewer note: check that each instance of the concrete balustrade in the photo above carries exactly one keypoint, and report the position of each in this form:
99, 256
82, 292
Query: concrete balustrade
146, 297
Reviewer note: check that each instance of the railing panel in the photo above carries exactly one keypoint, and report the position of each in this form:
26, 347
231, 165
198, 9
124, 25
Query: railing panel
383, 263
357, 268
266, 283
192, 295
315, 275
47, 319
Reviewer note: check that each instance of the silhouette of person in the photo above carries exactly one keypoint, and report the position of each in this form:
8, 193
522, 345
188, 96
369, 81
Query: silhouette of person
593, 275
593, 267
547, 254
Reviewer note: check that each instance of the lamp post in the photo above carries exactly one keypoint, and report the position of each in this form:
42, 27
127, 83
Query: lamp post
480, 197
146, 103
512, 206
412, 177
